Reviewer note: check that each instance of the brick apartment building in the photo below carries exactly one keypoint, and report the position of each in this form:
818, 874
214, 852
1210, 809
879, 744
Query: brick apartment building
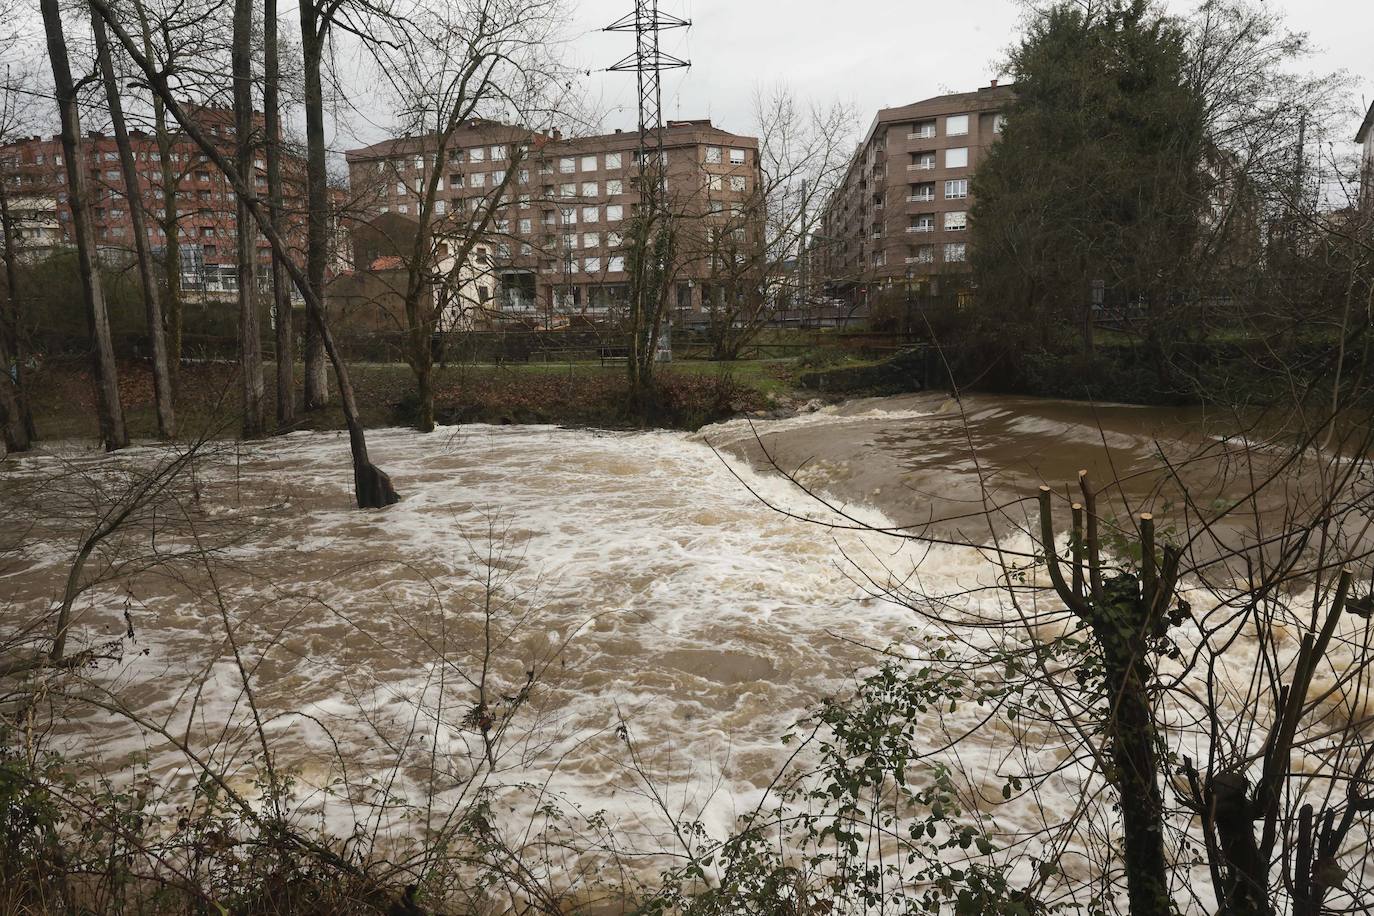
556, 246
34, 172
900, 215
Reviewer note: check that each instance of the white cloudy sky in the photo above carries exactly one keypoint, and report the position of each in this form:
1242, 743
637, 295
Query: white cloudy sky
849, 50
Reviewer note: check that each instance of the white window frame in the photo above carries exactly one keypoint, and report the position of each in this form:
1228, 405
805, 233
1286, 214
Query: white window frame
956, 188
956, 157
956, 125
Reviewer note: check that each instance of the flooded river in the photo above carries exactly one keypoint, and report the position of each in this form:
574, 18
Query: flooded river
633, 606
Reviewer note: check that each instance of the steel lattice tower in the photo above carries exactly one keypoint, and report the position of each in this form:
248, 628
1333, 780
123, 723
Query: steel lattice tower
647, 63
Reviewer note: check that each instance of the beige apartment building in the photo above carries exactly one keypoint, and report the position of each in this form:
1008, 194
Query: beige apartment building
555, 245
900, 215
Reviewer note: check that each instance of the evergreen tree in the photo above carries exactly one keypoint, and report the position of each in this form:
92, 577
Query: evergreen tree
1098, 174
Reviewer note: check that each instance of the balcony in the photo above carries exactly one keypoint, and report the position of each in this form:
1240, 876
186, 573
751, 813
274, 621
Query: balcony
920, 198
921, 135
924, 227
919, 260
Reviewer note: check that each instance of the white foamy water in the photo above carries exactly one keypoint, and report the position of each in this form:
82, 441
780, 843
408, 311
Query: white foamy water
639, 578
647, 626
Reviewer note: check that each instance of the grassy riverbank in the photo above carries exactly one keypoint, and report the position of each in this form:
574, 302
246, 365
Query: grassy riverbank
691, 394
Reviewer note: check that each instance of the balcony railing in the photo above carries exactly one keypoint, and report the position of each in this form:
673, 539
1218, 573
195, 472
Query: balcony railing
921, 135
920, 198
926, 227
920, 260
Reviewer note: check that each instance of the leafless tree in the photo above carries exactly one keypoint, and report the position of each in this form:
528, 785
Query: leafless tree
15, 414
105, 372
372, 487
463, 63
754, 254
133, 195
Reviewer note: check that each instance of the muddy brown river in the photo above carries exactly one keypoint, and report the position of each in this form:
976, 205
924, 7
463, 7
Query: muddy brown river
636, 607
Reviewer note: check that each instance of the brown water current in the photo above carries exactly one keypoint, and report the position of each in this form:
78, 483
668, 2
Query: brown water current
602, 591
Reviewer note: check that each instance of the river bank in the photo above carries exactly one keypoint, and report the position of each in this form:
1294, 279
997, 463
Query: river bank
691, 394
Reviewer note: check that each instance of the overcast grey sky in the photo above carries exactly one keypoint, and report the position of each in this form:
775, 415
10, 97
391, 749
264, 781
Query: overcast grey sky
849, 50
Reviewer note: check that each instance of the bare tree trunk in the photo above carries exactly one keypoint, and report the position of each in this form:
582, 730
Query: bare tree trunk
171, 230
419, 309
162, 382
372, 486
14, 412
281, 294
250, 341
317, 225
110, 412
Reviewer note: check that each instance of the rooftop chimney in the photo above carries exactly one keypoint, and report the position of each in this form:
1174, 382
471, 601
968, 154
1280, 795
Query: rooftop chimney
994, 85
557, 134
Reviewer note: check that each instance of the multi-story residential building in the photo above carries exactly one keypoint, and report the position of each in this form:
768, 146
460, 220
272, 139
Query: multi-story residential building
560, 206
37, 231
206, 208
901, 213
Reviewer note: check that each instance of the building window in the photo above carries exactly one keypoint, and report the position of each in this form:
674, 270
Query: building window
612, 239
592, 265
955, 251
713, 155
419, 163
455, 180
455, 155
616, 264
567, 189
925, 254
440, 207
615, 213
956, 125
589, 189
922, 191
998, 122
956, 189
590, 214
476, 154
478, 179
922, 130
922, 223
524, 225
615, 186
570, 216
956, 158
612, 160
498, 152
400, 187
591, 240
523, 177
715, 182
403, 208
498, 178
738, 183
419, 185
567, 165
879, 258
956, 221
736, 157
589, 163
